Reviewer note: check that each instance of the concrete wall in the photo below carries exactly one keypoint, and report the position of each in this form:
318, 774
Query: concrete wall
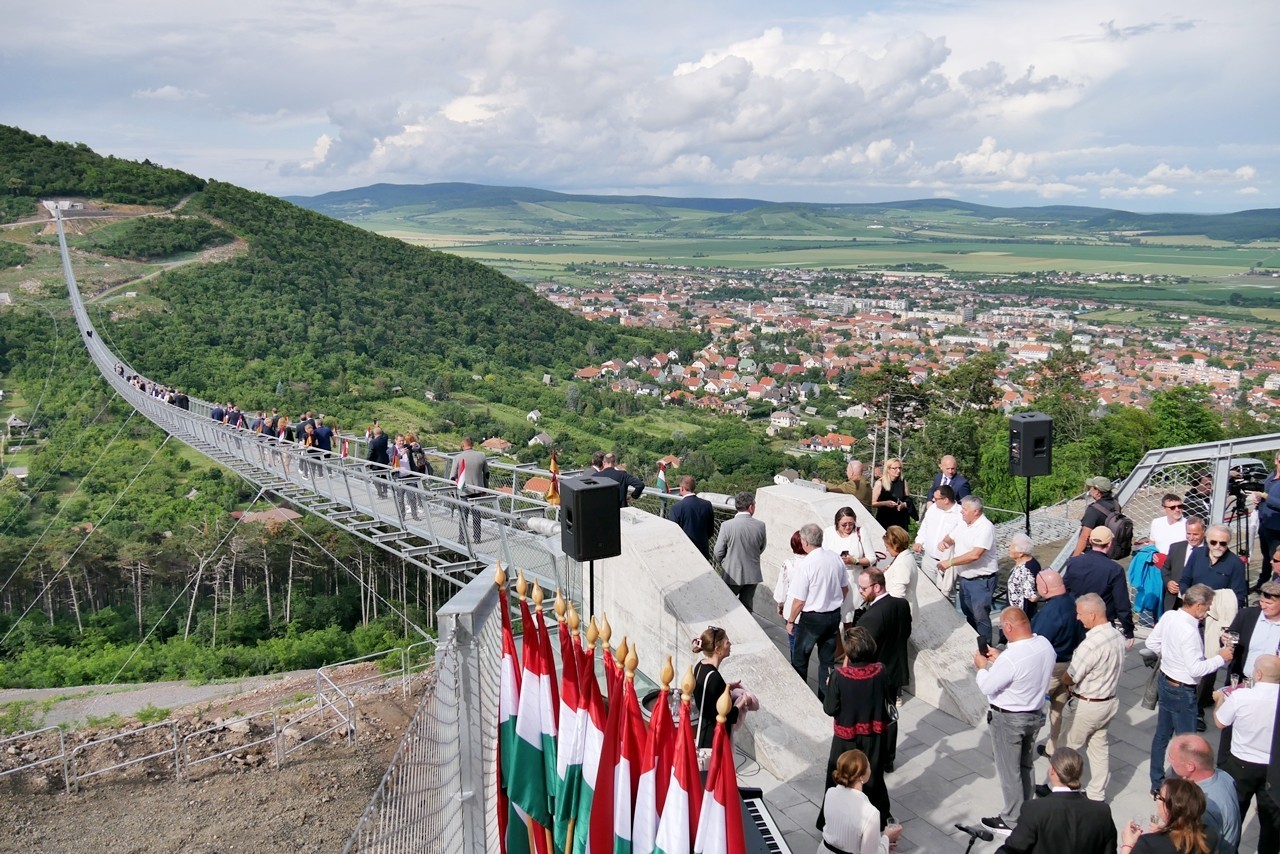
660, 593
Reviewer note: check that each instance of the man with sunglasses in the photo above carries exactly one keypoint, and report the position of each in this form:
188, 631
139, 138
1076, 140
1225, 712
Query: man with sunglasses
1170, 528
1218, 567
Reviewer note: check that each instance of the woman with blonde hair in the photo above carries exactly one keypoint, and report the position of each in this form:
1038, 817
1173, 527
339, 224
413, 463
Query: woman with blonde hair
889, 496
854, 824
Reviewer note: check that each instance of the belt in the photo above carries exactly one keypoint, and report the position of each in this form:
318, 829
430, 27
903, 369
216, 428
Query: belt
1092, 699
831, 847
996, 708
1175, 683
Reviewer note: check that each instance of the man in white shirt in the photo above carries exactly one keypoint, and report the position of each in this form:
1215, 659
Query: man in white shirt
818, 587
1170, 528
1014, 682
1182, 664
1251, 712
941, 518
973, 545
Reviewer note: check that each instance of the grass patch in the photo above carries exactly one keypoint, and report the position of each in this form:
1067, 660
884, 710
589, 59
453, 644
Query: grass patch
18, 716
150, 714
101, 721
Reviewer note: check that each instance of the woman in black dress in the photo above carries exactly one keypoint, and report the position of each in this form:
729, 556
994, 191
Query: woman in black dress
889, 496
857, 698
709, 685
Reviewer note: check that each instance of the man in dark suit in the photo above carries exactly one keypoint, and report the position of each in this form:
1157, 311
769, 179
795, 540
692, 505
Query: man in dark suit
694, 515
948, 475
1180, 555
626, 480
378, 453
1066, 820
888, 619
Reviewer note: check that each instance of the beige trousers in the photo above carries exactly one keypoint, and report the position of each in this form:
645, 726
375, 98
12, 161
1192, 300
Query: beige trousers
1084, 724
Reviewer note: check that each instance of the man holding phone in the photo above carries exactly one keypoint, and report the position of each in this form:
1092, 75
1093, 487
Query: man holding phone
1014, 682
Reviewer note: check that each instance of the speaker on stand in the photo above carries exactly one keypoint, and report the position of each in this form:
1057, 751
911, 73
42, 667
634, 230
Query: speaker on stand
590, 524
1030, 450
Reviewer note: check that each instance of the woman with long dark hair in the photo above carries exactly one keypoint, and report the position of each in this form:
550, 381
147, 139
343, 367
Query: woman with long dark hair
1179, 826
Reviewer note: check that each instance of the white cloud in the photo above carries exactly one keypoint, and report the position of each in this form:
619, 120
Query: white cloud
1087, 99
168, 93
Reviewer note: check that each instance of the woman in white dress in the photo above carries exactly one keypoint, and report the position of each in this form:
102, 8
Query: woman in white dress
853, 824
900, 576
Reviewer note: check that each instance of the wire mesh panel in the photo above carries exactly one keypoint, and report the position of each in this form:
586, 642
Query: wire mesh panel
439, 792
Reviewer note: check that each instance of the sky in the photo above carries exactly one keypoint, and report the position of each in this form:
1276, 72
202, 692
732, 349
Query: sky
1145, 105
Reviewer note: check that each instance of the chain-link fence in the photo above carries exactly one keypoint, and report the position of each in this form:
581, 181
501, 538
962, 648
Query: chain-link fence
439, 793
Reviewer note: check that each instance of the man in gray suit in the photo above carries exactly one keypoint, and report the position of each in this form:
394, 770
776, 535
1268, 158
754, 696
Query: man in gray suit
470, 469
738, 549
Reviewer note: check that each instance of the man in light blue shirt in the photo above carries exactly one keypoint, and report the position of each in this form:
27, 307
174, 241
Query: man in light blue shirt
1191, 758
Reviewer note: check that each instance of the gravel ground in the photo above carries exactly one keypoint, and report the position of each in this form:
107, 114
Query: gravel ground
236, 803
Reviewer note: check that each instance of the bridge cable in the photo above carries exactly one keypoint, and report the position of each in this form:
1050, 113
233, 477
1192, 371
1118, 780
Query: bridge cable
89, 534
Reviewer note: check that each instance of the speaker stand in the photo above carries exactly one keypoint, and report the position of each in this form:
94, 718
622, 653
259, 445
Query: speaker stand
591, 605
1027, 507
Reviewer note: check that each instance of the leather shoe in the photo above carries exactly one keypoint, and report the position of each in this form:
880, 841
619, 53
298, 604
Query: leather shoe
1200, 725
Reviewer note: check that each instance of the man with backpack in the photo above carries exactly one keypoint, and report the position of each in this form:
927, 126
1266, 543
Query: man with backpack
1104, 511
1094, 572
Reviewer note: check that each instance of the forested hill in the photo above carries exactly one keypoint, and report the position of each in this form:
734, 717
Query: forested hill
328, 307
319, 309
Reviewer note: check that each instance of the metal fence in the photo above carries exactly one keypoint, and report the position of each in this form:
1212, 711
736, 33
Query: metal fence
439, 792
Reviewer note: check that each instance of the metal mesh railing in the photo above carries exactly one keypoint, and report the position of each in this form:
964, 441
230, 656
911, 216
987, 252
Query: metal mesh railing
439, 792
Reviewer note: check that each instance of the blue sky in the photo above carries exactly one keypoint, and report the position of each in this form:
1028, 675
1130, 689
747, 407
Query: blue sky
1143, 105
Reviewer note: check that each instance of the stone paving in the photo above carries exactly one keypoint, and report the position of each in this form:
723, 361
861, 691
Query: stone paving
945, 773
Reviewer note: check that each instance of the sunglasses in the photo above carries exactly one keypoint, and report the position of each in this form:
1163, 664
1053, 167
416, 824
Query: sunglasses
1173, 507
1219, 542
1266, 595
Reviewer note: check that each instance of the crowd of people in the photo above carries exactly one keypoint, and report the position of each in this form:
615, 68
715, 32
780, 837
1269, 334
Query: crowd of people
1049, 663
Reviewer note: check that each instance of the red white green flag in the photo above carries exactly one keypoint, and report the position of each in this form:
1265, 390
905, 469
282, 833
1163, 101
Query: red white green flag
572, 739
549, 707
527, 785
655, 775
513, 832
593, 747
683, 805
720, 824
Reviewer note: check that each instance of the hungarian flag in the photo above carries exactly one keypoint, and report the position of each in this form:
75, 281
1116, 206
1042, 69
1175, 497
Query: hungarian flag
573, 730
720, 825
679, 822
662, 477
614, 802
527, 786
553, 491
655, 774
549, 702
346, 448
513, 831
592, 748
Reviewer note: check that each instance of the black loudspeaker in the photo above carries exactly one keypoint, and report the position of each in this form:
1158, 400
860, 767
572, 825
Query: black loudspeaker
1030, 444
590, 526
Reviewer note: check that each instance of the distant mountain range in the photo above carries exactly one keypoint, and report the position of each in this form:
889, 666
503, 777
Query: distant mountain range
480, 208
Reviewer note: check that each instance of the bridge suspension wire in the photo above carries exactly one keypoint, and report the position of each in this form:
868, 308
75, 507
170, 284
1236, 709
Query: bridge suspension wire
75, 492
107, 513
32, 491
181, 593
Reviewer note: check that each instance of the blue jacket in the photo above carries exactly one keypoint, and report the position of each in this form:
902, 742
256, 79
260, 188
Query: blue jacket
1056, 622
1227, 573
1144, 578
1269, 509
